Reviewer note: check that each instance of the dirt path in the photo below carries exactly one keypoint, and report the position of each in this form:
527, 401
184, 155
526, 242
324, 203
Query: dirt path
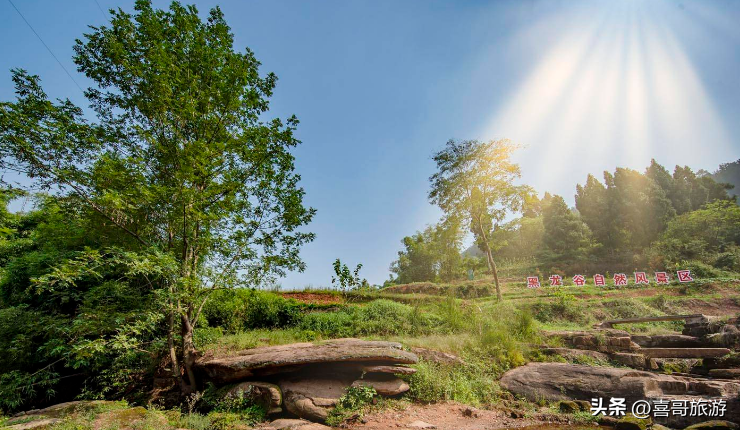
447, 416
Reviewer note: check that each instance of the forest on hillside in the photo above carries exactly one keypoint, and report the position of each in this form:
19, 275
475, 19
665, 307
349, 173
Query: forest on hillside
628, 220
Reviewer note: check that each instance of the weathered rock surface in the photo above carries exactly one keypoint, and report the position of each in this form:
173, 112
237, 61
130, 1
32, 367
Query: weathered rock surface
725, 373
383, 386
277, 359
684, 352
312, 398
713, 425
66, 408
603, 340
669, 341
35, 424
394, 370
635, 361
561, 381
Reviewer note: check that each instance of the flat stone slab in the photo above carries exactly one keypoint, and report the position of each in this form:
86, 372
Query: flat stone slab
670, 341
276, 359
684, 352
394, 370
725, 373
384, 387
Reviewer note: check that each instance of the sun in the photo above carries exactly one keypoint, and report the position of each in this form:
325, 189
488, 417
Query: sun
615, 86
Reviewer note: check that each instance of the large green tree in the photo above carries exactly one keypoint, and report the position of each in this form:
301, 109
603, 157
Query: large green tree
566, 237
432, 254
474, 182
178, 160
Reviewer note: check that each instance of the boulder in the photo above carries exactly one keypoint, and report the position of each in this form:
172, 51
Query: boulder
271, 360
312, 398
562, 381
583, 405
383, 386
568, 407
631, 422
635, 361
713, 425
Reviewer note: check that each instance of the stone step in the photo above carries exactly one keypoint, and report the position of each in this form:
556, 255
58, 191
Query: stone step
725, 373
684, 352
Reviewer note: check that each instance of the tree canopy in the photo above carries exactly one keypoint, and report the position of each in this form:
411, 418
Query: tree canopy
178, 161
475, 183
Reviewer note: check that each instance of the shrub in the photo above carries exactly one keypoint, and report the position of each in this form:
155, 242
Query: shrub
351, 403
384, 317
245, 309
561, 306
206, 335
330, 324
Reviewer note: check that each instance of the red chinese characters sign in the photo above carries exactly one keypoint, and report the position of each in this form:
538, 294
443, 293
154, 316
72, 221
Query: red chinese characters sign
618, 279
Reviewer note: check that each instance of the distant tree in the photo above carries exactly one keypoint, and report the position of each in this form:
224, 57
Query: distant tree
592, 204
180, 161
446, 242
416, 262
475, 183
691, 191
642, 208
519, 238
566, 237
729, 173
430, 255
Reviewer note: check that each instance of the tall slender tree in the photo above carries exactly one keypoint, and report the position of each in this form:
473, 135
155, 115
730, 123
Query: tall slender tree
179, 158
475, 183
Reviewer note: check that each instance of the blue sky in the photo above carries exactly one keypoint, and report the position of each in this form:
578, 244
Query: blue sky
380, 85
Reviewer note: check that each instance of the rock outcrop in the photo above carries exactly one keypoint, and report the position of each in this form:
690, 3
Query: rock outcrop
312, 398
271, 360
309, 378
561, 381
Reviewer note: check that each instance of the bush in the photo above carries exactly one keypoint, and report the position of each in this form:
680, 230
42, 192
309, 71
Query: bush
331, 324
351, 403
245, 309
384, 317
561, 306
380, 317
206, 335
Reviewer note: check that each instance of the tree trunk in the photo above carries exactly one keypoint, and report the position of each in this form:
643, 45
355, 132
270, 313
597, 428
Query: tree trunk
492, 266
173, 353
489, 257
188, 353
